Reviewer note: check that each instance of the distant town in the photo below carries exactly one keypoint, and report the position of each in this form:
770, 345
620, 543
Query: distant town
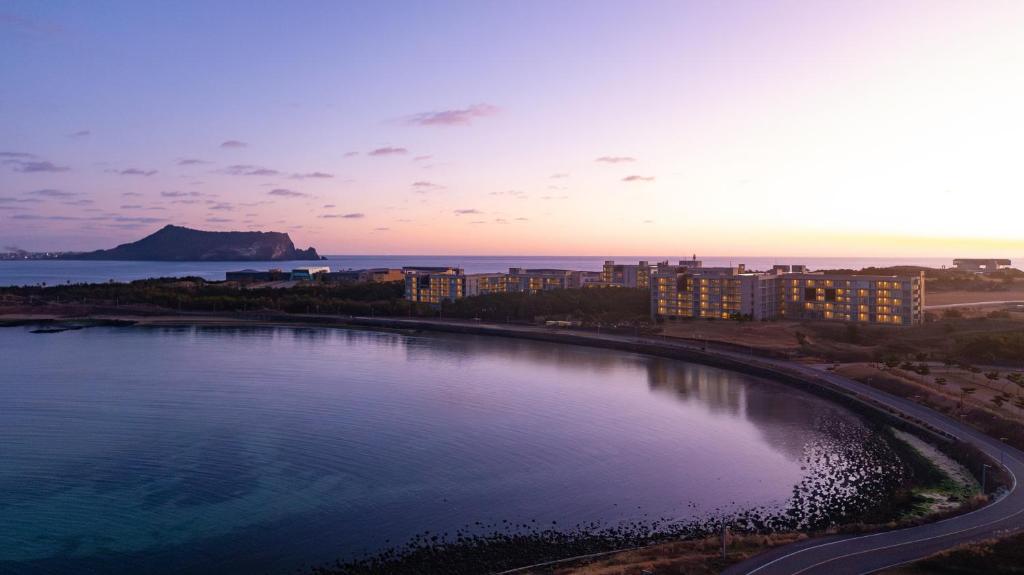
686, 289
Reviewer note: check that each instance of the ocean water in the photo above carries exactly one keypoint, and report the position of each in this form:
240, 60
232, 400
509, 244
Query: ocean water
230, 450
33, 272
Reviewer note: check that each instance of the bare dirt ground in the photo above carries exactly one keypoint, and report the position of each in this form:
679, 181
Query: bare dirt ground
773, 335
964, 297
950, 393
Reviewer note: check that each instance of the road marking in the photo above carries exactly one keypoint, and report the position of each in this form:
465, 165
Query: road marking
941, 535
1013, 487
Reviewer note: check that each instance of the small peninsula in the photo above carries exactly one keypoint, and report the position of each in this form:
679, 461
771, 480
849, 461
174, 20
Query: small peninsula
181, 244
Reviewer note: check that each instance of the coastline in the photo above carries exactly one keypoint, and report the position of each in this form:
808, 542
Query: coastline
707, 353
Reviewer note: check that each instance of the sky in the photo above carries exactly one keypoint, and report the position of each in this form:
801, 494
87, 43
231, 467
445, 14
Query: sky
818, 128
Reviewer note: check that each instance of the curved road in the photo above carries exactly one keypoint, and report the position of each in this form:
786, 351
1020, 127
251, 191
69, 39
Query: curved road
843, 554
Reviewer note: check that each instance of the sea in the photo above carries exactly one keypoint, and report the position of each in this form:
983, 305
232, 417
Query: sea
50, 272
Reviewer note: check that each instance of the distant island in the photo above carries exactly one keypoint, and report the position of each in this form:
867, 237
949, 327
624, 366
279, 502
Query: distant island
181, 244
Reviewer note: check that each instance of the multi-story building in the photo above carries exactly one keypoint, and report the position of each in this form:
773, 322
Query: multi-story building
536, 280
626, 275
482, 284
587, 279
891, 300
365, 276
688, 290
434, 285
978, 266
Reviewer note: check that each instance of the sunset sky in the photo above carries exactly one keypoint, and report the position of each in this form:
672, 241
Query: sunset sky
590, 128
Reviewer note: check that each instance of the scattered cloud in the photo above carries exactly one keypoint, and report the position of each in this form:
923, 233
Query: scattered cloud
285, 193
648, 221
191, 161
247, 170
80, 134
28, 166
80, 202
39, 217
500, 221
16, 155
131, 207
351, 216
133, 172
131, 194
51, 193
467, 211
563, 197
478, 222
381, 229
138, 219
316, 175
349, 154
219, 220
233, 144
328, 206
522, 219
423, 186
559, 176
222, 206
389, 151
615, 159
514, 193
459, 117
176, 194
9, 199
636, 178
422, 158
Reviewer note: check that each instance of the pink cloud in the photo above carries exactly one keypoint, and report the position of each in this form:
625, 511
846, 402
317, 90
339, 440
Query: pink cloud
462, 117
389, 151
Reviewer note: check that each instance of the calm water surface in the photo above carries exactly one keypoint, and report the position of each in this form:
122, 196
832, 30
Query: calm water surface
54, 271
262, 450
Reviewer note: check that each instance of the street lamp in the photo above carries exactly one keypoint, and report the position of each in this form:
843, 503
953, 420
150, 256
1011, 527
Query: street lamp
984, 477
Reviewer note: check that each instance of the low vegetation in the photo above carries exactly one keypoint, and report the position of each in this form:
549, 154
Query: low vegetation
992, 557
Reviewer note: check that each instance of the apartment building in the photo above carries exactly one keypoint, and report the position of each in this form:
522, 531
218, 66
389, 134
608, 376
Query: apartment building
688, 290
434, 285
537, 280
626, 275
370, 275
482, 284
890, 300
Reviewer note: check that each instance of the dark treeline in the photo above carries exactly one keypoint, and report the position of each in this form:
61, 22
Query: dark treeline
196, 294
611, 306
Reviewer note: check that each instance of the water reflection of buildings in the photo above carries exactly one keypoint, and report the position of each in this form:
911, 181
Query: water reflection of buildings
783, 415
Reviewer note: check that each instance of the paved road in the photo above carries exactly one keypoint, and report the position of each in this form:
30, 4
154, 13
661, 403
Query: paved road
852, 554
974, 304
